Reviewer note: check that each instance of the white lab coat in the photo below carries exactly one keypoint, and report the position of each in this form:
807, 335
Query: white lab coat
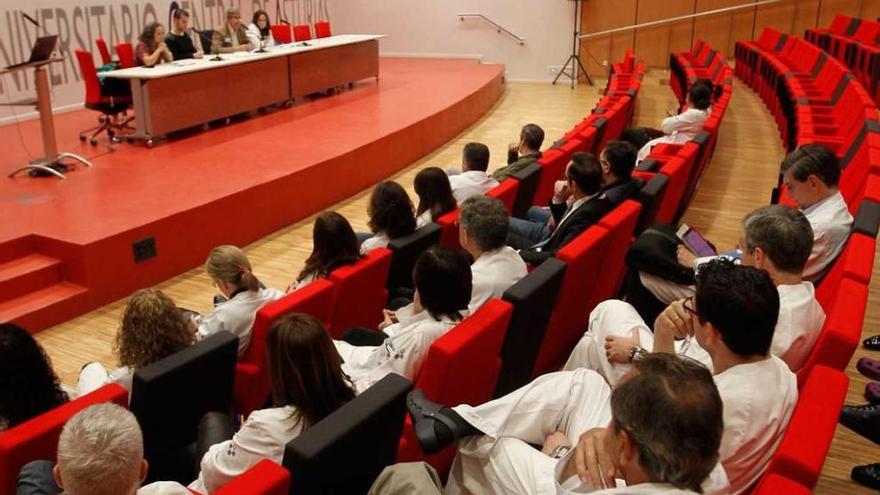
424, 219
493, 273
263, 436
679, 129
402, 352
237, 315
758, 401
379, 240
253, 34
800, 321
831, 222
94, 376
471, 183
164, 488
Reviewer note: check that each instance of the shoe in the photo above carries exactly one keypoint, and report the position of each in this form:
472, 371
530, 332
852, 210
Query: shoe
872, 342
864, 420
435, 425
868, 475
869, 367
872, 392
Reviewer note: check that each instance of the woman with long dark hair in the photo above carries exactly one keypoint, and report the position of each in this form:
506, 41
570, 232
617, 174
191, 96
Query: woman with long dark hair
260, 30
391, 215
151, 49
435, 195
28, 385
307, 382
334, 244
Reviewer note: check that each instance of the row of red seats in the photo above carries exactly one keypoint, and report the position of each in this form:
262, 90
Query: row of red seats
856, 43
815, 99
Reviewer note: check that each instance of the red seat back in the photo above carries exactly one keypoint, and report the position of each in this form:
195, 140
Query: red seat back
583, 257
506, 192
90, 76
322, 29
804, 446
264, 478
104, 51
38, 438
855, 262
621, 223
360, 289
774, 484
449, 233
282, 33
677, 169
126, 55
553, 163
302, 32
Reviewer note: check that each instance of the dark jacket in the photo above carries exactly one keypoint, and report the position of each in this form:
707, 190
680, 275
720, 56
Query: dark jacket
620, 191
514, 167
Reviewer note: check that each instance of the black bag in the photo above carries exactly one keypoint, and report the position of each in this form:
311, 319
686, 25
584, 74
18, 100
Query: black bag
655, 252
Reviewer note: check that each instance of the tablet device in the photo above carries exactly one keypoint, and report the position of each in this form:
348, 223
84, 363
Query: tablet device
694, 241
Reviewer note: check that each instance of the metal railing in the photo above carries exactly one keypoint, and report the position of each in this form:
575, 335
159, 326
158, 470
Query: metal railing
679, 18
501, 30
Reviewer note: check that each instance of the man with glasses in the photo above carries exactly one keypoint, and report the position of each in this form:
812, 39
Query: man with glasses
732, 317
232, 35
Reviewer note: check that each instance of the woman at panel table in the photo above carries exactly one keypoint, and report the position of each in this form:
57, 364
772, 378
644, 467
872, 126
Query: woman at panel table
152, 328
307, 382
391, 216
435, 196
334, 244
152, 49
259, 30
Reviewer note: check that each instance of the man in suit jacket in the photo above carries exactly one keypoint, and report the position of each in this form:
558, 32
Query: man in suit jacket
231, 36
526, 152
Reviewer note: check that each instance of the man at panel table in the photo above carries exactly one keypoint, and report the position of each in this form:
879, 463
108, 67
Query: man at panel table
231, 36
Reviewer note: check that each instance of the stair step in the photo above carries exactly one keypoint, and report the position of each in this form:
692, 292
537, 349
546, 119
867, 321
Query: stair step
28, 274
17, 248
20, 308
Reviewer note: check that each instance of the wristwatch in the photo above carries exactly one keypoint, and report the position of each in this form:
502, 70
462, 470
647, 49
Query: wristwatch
636, 353
560, 452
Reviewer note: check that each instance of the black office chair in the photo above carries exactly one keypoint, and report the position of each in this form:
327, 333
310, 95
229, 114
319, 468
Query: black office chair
206, 36
650, 196
404, 253
170, 397
533, 299
528, 178
346, 451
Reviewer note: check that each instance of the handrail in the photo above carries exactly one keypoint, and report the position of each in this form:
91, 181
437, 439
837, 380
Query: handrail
679, 18
461, 16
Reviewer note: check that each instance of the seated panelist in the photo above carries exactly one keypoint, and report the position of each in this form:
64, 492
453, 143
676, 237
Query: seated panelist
231, 36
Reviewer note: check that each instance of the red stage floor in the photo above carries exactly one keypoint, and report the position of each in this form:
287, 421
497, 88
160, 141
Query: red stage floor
66, 246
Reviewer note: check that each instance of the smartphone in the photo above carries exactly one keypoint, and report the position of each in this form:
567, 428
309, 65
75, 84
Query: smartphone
694, 241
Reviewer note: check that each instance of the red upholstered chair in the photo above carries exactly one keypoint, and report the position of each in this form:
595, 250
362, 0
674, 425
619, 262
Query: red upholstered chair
584, 259
264, 478
359, 292
252, 370
109, 106
302, 32
282, 33
461, 367
621, 223
855, 262
38, 438
506, 192
678, 169
801, 454
104, 51
322, 29
125, 52
449, 233
776, 485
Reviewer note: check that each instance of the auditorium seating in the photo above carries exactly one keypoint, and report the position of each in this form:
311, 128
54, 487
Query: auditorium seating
264, 478
37, 439
449, 229
529, 179
360, 289
405, 251
774, 485
506, 191
856, 43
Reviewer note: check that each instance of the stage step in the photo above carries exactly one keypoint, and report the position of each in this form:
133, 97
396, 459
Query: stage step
28, 274
50, 305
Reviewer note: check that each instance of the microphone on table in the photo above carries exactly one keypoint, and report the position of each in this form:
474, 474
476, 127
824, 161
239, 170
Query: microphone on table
216, 58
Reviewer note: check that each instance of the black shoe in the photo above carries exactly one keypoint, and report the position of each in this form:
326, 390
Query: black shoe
864, 420
435, 425
868, 475
872, 342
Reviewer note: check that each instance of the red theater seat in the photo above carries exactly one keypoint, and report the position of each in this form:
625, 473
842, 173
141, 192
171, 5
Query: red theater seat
38, 438
252, 370
506, 192
264, 478
621, 224
449, 233
360, 289
777, 485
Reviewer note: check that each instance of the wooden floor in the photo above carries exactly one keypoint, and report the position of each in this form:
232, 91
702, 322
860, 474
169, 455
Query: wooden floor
738, 179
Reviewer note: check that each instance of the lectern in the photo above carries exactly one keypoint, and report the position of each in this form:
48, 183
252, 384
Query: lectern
52, 161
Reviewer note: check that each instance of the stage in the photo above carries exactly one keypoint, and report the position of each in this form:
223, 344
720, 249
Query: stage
67, 247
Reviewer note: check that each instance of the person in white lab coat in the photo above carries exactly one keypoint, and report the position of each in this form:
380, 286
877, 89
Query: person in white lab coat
435, 196
307, 382
482, 232
681, 128
259, 32
776, 239
232, 273
391, 215
474, 179
733, 317
334, 245
152, 328
442, 294
100, 452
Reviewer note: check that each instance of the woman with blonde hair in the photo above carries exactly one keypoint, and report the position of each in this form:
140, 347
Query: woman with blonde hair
233, 274
152, 329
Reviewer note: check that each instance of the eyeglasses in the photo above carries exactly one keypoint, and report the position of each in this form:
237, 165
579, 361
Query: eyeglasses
688, 306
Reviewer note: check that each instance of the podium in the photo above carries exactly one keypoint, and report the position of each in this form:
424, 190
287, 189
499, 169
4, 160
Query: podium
52, 161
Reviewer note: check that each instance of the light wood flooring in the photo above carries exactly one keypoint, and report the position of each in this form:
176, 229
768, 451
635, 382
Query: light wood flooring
739, 179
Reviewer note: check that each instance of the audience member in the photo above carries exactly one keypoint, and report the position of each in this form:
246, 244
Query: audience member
259, 30
232, 35
231, 272
473, 179
100, 452
391, 216
152, 328
681, 128
522, 154
307, 382
334, 244
183, 41
435, 196
151, 49
28, 384
443, 291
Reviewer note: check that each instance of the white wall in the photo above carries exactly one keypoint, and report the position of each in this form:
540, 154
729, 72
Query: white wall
425, 27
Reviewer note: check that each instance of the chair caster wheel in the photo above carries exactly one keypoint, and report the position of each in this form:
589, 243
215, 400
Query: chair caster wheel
82, 138
115, 139
93, 142
148, 143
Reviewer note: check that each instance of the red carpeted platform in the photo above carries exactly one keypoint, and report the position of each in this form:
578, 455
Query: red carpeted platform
66, 247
